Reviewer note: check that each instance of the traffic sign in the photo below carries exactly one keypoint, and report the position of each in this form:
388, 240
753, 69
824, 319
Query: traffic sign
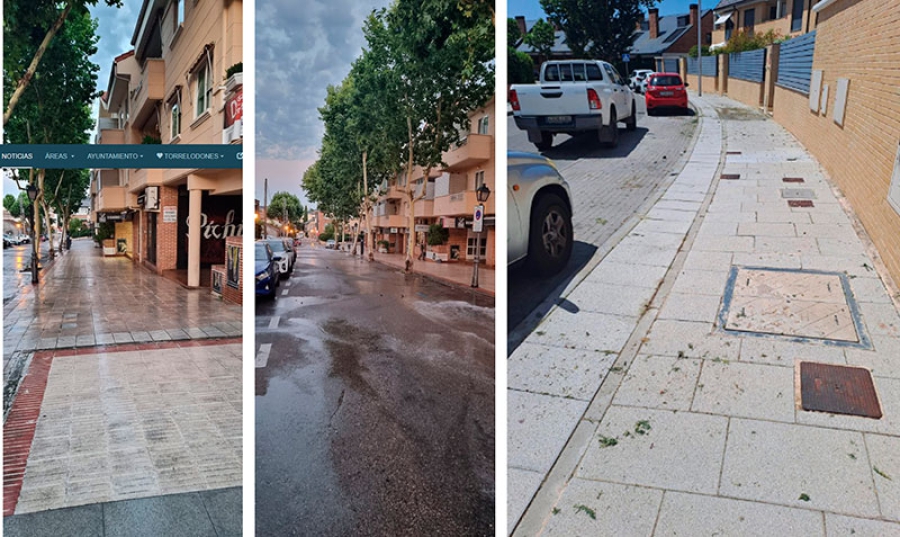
478, 220
626, 58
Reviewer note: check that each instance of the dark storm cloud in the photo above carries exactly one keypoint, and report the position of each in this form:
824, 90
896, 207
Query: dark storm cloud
115, 27
300, 50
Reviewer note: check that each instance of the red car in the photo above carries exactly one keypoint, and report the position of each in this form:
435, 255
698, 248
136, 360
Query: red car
665, 90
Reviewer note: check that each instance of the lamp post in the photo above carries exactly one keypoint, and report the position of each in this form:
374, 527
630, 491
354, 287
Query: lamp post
482, 193
33, 193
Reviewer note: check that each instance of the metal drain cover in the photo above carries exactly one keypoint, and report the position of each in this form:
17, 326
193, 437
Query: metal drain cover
838, 389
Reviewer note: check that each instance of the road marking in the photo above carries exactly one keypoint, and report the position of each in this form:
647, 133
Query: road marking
285, 292
262, 357
287, 283
274, 322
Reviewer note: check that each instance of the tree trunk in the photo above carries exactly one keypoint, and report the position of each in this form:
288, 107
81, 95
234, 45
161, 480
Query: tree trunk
29, 74
370, 240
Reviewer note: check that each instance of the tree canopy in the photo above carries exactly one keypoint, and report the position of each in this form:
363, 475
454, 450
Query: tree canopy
602, 30
541, 38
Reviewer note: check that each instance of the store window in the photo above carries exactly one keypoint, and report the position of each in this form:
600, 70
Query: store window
470, 248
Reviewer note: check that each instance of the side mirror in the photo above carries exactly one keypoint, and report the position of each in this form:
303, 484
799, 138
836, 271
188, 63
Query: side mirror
686, 84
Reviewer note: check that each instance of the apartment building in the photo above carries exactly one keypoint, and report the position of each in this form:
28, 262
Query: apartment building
181, 84
785, 17
446, 197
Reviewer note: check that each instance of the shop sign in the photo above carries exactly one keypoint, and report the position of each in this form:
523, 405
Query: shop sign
234, 108
421, 228
170, 215
393, 230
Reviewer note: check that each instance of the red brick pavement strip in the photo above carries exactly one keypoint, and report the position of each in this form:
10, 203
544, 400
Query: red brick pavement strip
18, 431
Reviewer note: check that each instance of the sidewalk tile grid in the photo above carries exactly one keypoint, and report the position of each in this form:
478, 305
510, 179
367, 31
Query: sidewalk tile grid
704, 435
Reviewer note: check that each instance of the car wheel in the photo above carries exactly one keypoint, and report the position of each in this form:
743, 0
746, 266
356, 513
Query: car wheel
546, 141
550, 236
610, 134
631, 122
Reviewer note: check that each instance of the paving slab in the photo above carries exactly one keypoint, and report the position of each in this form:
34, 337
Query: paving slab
659, 382
584, 330
883, 454
693, 514
691, 307
521, 487
798, 466
626, 300
745, 390
597, 508
691, 340
657, 458
844, 526
539, 428
562, 372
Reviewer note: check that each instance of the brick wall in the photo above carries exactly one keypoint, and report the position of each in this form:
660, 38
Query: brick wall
688, 40
859, 40
710, 83
749, 93
166, 234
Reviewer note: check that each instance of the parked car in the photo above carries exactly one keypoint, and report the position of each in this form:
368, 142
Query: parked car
665, 90
282, 256
330, 244
540, 214
574, 96
266, 271
7, 242
638, 79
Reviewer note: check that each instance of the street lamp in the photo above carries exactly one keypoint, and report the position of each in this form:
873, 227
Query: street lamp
33, 192
482, 193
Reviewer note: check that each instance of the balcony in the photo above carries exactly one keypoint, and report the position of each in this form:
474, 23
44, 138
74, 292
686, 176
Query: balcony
151, 89
424, 208
392, 220
459, 203
476, 150
139, 179
111, 136
394, 192
111, 199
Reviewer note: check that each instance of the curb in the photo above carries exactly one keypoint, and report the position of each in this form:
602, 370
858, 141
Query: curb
445, 281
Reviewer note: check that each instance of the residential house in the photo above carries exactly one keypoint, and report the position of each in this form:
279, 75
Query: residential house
785, 17
669, 37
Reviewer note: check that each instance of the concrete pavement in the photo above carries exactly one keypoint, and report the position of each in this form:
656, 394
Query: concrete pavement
130, 398
457, 274
661, 396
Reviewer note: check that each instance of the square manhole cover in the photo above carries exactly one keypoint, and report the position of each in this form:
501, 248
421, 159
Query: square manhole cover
838, 389
797, 304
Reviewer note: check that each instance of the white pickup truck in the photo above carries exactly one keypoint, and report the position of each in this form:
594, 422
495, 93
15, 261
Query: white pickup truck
574, 96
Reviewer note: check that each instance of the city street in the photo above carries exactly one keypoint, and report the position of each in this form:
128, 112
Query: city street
612, 189
375, 403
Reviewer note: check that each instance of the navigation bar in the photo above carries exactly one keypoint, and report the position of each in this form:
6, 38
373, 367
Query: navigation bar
113, 156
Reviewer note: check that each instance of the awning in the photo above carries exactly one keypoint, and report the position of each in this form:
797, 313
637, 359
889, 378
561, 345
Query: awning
717, 45
723, 18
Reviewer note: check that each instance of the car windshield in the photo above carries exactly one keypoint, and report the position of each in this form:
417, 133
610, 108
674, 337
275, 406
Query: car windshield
665, 81
278, 246
261, 251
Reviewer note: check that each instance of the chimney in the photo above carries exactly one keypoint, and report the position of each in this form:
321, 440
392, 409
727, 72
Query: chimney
694, 14
520, 21
654, 22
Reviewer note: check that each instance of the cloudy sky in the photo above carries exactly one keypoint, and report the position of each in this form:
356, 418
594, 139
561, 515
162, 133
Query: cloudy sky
114, 26
299, 52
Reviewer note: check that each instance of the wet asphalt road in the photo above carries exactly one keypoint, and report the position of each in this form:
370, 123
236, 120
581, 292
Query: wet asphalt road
375, 407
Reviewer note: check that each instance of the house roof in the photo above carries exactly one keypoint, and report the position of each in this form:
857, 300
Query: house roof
723, 4
669, 32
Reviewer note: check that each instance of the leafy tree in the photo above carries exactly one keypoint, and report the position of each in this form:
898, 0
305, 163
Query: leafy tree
285, 207
593, 29
29, 27
541, 38
744, 41
520, 67
513, 33
11, 204
56, 109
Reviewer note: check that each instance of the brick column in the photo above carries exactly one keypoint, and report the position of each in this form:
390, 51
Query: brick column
195, 208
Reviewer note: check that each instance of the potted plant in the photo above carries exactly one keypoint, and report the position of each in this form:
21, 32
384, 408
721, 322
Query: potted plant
234, 76
437, 237
384, 246
106, 238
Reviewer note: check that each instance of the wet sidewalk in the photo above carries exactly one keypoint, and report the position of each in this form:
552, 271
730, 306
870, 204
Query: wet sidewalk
665, 397
458, 274
85, 300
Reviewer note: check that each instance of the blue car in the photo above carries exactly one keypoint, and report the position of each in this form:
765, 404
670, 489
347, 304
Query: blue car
266, 271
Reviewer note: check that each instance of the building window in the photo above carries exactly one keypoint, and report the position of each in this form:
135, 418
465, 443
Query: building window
749, 18
176, 120
479, 179
470, 248
483, 125
204, 90
179, 13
